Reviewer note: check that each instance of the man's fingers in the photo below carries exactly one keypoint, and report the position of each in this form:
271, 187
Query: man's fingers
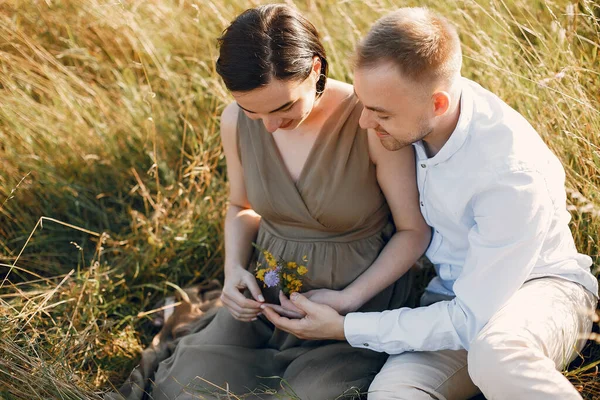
288, 305
282, 323
304, 304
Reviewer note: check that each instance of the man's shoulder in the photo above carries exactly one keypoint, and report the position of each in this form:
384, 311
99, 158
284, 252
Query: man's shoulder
493, 119
500, 138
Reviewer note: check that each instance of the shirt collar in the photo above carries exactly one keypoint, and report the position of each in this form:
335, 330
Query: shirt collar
460, 133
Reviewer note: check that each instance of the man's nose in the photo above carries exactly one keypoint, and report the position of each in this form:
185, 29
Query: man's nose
272, 124
366, 120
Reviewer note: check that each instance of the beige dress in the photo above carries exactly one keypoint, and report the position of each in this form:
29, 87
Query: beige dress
336, 216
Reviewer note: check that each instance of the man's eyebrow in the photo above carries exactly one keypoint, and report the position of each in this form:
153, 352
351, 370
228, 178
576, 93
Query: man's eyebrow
376, 109
286, 105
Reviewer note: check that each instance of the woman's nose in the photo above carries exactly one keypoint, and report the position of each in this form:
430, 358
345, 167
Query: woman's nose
272, 124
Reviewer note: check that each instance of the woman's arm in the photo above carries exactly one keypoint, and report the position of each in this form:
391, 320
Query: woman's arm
241, 227
397, 178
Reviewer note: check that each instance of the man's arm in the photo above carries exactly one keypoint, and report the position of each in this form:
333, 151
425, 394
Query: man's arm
512, 218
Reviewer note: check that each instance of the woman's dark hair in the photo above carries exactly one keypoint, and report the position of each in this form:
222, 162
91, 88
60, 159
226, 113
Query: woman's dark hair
271, 41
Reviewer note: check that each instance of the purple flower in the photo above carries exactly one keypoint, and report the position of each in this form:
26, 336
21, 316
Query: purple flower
272, 278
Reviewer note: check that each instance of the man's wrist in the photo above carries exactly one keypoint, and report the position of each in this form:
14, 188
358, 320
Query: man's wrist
339, 332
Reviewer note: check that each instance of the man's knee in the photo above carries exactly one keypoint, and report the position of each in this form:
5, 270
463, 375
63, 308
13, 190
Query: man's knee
382, 389
491, 356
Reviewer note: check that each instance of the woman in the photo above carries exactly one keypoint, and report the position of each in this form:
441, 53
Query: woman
305, 181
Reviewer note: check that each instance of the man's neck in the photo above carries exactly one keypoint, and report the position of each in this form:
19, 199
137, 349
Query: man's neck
442, 132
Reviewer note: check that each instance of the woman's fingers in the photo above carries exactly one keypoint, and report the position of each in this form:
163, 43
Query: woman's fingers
284, 312
239, 312
252, 286
240, 300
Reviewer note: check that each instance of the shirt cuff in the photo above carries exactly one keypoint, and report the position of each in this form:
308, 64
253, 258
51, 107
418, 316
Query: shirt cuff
361, 330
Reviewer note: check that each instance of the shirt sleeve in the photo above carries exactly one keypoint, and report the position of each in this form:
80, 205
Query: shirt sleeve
511, 221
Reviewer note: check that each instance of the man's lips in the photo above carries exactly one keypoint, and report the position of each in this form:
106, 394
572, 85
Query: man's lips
382, 134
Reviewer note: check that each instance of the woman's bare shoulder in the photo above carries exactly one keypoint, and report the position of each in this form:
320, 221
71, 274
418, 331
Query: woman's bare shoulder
229, 115
229, 118
340, 89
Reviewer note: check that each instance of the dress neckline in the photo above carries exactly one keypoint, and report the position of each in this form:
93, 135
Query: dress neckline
313, 149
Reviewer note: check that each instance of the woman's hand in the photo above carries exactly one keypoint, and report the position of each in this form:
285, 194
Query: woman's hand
237, 280
339, 300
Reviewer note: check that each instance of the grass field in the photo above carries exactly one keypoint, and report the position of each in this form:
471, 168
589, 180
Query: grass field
112, 181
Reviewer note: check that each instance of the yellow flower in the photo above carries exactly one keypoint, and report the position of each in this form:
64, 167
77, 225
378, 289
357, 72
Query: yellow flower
270, 258
288, 277
260, 274
292, 265
294, 286
302, 270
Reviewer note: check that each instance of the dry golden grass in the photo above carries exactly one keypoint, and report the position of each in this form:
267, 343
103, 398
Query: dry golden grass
109, 123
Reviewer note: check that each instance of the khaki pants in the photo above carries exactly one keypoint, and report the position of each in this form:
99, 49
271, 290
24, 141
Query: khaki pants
517, 355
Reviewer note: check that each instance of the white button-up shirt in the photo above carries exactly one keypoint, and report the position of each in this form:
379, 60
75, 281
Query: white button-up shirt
495, 198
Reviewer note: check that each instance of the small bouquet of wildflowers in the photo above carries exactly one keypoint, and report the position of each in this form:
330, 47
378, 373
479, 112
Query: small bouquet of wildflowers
287, 275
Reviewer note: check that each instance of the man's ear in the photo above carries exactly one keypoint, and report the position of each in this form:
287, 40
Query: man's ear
441, 103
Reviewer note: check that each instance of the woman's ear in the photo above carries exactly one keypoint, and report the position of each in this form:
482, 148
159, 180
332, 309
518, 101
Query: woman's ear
317, 66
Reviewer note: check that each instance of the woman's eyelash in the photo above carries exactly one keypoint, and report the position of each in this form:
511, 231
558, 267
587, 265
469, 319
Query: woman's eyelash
383, 118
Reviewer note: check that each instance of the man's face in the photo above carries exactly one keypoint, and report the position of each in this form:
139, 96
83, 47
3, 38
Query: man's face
399, 110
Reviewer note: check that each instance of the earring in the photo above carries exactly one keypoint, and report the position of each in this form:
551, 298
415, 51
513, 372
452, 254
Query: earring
321, 75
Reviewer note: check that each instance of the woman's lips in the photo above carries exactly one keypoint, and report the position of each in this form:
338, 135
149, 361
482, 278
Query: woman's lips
287, 124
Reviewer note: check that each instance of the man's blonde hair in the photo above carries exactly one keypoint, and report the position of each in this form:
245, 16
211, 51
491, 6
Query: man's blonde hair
422, 44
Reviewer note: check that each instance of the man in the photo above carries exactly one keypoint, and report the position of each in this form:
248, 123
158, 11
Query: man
512, 300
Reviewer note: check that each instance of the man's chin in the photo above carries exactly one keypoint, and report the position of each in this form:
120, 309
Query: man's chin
391, 144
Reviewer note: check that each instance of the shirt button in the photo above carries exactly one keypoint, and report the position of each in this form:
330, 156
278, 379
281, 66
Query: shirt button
422, 204
423, 165
366, 344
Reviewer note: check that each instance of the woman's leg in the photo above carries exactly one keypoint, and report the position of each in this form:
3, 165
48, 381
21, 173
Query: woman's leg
227, 353
329, 371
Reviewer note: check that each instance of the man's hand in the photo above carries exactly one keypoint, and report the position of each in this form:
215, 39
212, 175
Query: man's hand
320, 321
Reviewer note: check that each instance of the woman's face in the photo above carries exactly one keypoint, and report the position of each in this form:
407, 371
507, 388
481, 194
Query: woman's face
280, 104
